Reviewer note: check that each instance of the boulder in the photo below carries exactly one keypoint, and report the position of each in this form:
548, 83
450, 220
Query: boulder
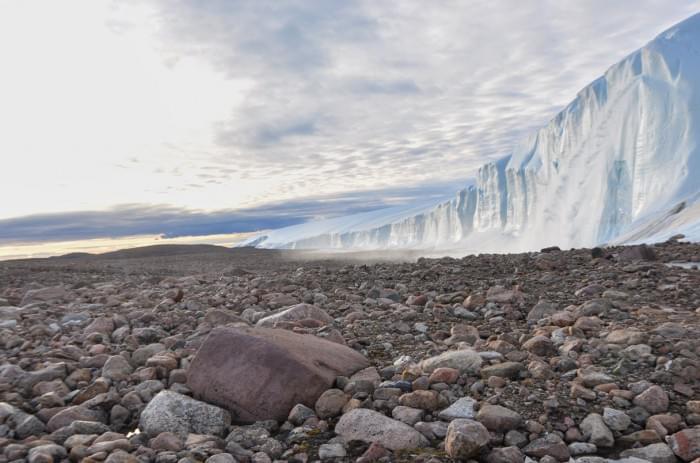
261, 373
370, 426
182, 415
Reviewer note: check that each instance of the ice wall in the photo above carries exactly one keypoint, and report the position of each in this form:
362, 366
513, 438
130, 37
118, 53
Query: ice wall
624, 151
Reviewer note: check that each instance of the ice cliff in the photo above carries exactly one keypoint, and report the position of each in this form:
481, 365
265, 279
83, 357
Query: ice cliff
621, 163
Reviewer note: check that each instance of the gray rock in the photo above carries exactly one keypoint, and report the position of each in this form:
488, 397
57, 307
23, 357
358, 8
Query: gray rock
505, 455
54, 293
181, 415
466, 361
407, 415
582, 448
46, 452
540, 310
370, 426
299, 414
463, 408
27, 425
655, 453
331, 451
296, 313
75, 413
615, 419
551, 445
116, 368
596, 432
221, 458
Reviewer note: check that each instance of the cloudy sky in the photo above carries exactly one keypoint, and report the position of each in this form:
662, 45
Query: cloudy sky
191, 117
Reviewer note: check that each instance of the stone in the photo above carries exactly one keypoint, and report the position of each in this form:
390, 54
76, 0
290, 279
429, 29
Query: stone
504, 370
116, 368
74, 413
261, 373
616, 420
640, 252
218, 317
655, 453
331, 451
540, 346
46, 453
444, 375
654, 400
462, 408
627, 337
551, 445
590, 377
498, 418
331, 403
182, 415
425, 400
221, 458
102, 325
596, 432
166, 441
299, 414
53, 293
466, 438
582, 448
370, 426
407, 415
505, 455
27, 425
466, 361
686, 443
540, 310
296, 313
374, 452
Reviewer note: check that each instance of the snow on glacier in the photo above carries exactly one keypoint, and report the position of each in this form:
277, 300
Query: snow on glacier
621, 163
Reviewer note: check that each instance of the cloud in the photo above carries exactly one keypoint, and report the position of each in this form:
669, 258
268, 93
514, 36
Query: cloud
228, 105
171, 221
430, 90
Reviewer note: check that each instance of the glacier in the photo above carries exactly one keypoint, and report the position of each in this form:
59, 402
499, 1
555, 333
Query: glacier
619, 164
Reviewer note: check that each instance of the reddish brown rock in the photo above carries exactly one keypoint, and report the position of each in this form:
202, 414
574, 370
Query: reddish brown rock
686, 444
261, 373
444, 375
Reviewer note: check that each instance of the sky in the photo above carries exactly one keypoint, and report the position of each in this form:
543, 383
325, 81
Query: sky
192, 118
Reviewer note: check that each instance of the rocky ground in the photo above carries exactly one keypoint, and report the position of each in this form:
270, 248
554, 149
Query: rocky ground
258, 356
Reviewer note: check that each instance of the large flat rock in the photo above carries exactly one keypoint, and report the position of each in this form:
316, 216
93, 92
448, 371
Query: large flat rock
261, 373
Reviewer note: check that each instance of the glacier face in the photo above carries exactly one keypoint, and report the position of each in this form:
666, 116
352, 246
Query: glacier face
620, 163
